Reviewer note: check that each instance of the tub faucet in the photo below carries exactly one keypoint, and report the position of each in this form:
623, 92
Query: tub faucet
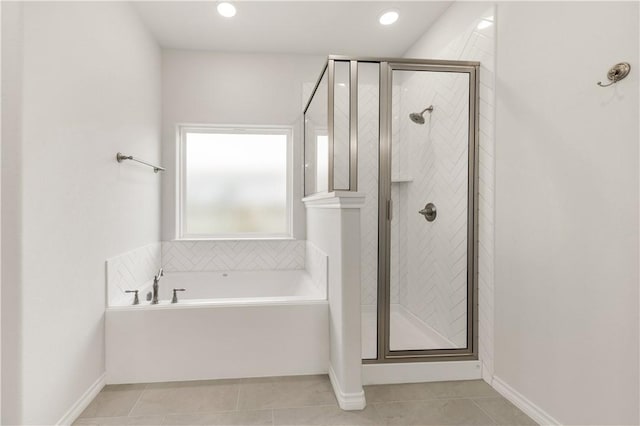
156, 280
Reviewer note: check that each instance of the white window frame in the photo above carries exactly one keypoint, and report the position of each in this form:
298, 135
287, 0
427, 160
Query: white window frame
182, 130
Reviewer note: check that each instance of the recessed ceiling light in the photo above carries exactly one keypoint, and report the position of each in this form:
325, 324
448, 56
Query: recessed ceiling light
389, 17
226, 9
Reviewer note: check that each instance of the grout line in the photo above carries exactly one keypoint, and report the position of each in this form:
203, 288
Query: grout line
137, 400
273, 417
238, 398
487, 414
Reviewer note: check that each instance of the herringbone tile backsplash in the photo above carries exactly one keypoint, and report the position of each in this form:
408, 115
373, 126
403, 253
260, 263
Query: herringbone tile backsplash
232, 255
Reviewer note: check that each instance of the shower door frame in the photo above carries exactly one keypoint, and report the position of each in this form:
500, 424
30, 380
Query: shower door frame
384, 353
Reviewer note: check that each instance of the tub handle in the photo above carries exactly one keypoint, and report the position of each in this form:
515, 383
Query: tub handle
135, 297
174, 299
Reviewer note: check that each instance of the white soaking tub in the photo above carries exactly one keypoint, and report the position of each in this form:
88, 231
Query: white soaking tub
225, 325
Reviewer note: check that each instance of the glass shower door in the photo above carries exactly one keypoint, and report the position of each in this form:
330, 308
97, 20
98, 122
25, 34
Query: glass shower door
430, 228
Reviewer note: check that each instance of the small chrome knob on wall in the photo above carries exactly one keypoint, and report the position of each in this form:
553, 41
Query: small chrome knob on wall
135, 297
174, 299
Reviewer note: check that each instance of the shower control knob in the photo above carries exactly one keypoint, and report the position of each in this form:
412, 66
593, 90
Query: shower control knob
429, 212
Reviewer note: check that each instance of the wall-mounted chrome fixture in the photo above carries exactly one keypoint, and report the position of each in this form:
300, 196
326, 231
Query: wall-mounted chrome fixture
418, 117
429, 212
174, 299
120, 157
156, 287
617, 73
136, 301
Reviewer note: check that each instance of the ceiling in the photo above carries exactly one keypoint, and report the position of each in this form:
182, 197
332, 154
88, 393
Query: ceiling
298, 27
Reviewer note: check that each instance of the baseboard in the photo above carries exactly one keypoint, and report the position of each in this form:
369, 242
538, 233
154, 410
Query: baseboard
76, 409
347, 401
529, 408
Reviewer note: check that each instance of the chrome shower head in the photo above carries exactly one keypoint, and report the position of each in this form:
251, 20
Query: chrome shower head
418, 117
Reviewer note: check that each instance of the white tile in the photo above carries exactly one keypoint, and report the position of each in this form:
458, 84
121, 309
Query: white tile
233, 255
132, 270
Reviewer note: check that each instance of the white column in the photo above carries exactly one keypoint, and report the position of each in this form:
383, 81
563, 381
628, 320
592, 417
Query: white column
333, 224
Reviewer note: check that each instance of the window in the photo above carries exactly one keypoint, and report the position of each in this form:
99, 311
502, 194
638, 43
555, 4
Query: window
322, 163
235, 182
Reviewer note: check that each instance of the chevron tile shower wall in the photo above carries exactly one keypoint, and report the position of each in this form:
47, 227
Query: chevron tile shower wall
428, 264
475, 43
432, 283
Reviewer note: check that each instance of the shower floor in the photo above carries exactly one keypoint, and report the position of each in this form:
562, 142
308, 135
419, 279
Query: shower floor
407, 332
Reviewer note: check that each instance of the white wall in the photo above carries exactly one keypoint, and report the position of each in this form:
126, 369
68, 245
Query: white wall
567, 209
0, 228
91, 87
566, 283
11, 210
333, 226
227, 88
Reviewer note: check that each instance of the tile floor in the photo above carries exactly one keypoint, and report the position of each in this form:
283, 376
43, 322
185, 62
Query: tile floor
299, 400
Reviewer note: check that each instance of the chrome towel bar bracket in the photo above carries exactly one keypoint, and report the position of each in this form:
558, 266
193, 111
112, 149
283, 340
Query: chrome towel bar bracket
120, 157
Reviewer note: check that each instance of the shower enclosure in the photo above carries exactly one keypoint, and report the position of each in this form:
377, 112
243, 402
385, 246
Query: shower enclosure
404, 133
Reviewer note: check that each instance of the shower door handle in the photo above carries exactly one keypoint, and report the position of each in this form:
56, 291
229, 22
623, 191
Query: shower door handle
429, 212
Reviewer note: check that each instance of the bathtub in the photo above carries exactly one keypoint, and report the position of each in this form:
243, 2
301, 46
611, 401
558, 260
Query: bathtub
225, 325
